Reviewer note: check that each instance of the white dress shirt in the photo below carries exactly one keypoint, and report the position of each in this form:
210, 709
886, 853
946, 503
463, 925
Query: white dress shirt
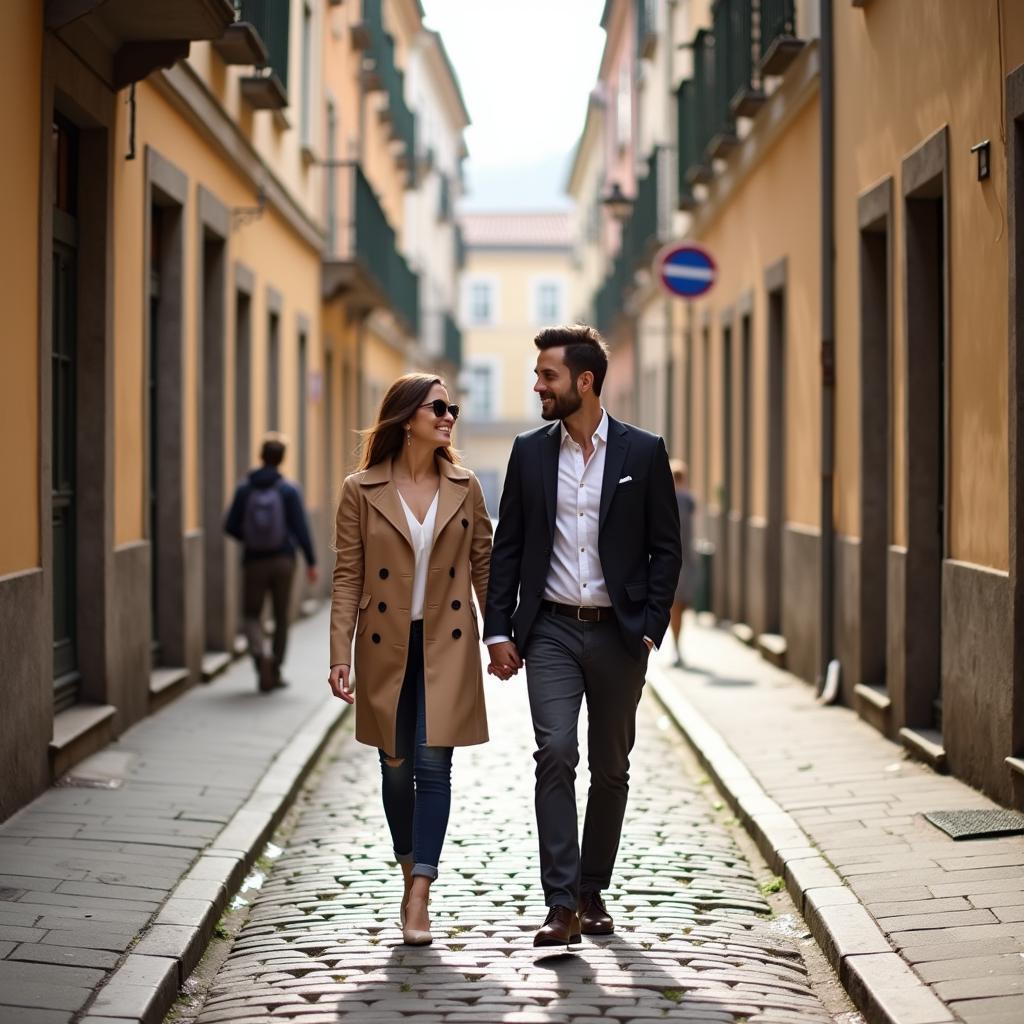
575, 576
422, 535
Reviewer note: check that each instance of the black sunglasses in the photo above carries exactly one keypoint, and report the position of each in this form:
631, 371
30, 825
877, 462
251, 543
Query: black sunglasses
440, 408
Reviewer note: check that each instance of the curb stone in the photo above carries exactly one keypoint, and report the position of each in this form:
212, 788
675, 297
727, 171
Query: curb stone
145, 985
880, 983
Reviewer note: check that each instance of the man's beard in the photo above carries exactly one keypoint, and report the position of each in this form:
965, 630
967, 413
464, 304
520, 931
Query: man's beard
562, 406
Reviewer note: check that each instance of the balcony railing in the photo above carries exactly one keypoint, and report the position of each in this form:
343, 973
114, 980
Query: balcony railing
703, 106
647, 228
743, 90
368, 266
750, 38
689, 147
271, 20
384, 74
779, 42
726, 64
452, 341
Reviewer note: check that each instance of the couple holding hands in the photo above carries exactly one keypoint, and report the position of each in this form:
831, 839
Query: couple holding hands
577, 588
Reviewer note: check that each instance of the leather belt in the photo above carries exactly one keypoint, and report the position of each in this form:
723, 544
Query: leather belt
571, 611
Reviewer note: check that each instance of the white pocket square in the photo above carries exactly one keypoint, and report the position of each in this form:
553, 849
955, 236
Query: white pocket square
625, 480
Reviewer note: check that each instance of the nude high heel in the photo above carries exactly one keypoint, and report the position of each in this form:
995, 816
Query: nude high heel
415, 937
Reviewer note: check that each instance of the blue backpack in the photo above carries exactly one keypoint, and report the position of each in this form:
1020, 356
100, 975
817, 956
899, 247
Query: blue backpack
264, 524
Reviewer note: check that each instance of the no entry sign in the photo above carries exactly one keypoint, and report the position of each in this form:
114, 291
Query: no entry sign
686, 271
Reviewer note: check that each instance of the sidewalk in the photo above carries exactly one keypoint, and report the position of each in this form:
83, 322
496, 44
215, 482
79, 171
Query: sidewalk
114, 886
921, 929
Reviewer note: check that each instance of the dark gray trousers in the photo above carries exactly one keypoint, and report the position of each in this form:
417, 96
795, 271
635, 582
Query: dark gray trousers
262, 576
566, 661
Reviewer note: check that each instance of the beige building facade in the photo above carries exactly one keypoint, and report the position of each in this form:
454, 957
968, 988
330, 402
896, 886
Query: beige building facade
518, 278
851, 424
206, 205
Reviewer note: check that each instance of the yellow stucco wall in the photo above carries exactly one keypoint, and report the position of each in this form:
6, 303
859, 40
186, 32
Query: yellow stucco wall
21, 48
341, 339
888, 101
772, 215
267, 246
382, 365
510, 339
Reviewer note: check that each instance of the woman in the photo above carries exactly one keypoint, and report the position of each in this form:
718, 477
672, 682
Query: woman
688, 574
413, 539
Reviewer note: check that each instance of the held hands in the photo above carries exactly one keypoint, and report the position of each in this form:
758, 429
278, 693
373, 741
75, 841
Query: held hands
505, 660
341, 687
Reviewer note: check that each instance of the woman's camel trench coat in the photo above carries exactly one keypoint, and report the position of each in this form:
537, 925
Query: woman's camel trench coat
372, 594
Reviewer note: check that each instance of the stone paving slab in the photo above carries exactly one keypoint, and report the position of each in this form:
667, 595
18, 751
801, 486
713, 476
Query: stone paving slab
108, 896
929, 925
696, 938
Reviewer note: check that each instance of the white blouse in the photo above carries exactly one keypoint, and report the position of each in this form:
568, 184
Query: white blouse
422, 541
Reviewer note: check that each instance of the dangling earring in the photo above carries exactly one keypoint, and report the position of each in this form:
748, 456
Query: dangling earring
408, 438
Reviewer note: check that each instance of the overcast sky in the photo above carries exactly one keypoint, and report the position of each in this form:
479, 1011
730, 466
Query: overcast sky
525, 69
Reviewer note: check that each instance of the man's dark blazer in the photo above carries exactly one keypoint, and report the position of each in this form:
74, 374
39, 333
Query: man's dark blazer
638, 539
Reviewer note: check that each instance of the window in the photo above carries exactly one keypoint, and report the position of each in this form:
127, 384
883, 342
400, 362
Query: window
273, 371
480, 379
547, 302
480, 302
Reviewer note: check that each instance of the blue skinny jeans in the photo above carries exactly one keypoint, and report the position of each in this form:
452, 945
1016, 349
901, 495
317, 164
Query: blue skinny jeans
418, 791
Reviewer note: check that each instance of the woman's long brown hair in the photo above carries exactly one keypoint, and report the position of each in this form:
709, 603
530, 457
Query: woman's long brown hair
385, 438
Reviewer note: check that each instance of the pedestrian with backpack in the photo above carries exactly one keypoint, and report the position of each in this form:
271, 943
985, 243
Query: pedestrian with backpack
268, 516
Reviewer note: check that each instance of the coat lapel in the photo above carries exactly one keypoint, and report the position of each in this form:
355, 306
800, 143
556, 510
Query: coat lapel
383, 496
551, 443
451, 493
614, 460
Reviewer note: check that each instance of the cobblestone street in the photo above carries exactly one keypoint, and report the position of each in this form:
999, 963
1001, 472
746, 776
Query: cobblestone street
697, 939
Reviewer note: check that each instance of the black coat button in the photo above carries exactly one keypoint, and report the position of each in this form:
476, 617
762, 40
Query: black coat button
456, 633
375, 638
451, 572
465, 523
382, 607
383, 574
456, 605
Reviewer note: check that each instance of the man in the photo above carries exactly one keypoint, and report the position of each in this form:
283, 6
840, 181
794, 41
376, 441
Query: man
583, 571
267, 515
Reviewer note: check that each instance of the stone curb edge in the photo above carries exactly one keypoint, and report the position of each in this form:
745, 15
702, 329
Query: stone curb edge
146, 983
880, 983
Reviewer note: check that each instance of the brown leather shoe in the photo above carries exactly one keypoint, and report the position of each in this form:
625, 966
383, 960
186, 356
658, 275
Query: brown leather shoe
594, 916
562, 928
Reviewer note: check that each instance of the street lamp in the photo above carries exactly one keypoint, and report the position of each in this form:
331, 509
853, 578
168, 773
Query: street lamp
617, 203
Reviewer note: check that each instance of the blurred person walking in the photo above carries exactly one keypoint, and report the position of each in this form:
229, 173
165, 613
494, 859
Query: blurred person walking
687, 583
268, 516
585, 562
413, 542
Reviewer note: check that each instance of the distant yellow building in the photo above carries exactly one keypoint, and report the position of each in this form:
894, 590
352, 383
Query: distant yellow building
518, 278
204, 212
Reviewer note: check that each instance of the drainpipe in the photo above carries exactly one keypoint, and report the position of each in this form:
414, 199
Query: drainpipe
669, 165
828, 380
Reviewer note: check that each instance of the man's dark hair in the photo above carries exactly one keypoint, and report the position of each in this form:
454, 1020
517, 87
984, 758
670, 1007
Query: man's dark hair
585, 349
272, 451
